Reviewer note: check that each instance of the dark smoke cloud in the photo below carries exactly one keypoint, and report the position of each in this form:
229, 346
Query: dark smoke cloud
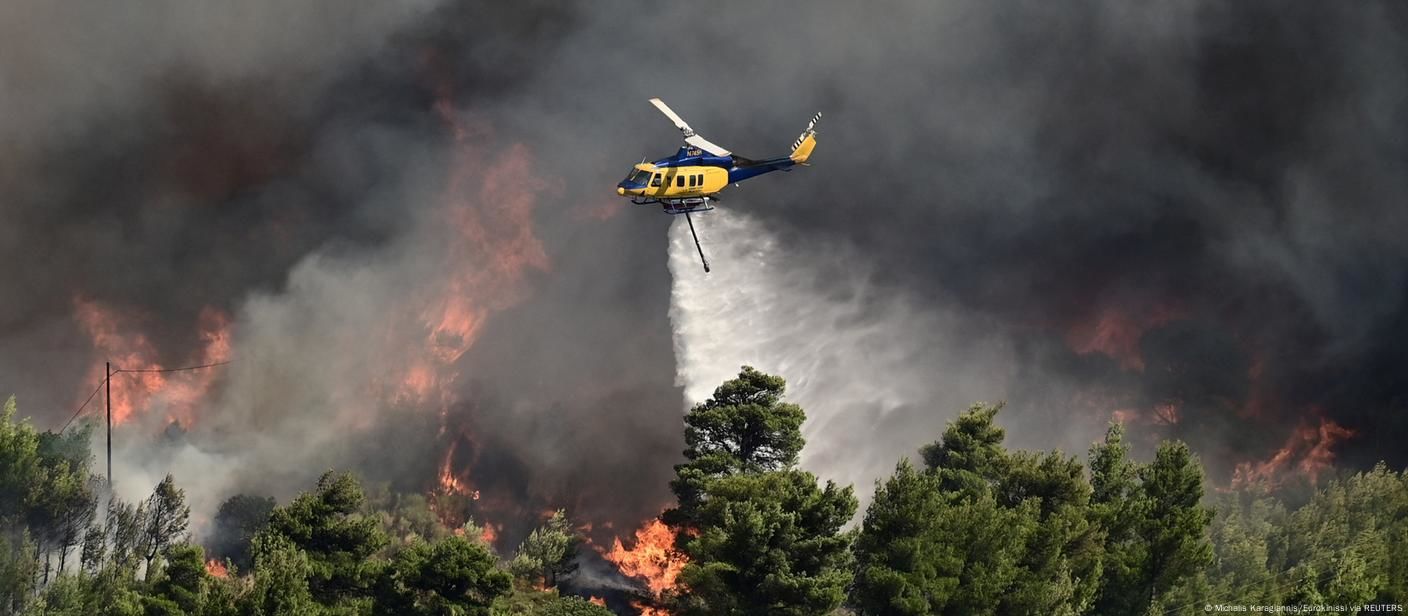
1235, 168
285, 165
990, 176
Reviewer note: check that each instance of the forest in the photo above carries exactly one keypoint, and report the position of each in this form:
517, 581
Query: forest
963, 526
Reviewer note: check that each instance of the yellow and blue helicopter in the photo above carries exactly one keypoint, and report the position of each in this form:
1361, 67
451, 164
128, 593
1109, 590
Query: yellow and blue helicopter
691, 180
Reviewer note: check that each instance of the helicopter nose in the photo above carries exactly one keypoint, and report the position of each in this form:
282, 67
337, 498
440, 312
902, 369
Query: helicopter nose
621, 190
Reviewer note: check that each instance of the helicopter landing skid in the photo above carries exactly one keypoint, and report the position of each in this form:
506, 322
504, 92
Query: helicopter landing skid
685, 208
679, 206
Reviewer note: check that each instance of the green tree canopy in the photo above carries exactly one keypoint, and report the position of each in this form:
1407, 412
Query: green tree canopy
165, 520
451, 576
338, 540
981, 531
905, 567
549, 552
1156, 527
281, 573
573, 606
1177, 521
761, 536
769, 543
183, 579
744, 427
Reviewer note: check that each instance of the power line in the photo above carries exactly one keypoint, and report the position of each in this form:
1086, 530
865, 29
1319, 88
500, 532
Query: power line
84, 405
182, 369
135, 370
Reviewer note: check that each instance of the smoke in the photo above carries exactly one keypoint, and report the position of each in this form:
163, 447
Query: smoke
872, 368
348, 187
1183, 215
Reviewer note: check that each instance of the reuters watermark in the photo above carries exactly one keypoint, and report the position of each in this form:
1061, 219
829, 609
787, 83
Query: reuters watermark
1305, 608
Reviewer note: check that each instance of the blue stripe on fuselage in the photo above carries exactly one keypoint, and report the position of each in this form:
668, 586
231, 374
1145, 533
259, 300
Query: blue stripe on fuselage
691, 157
738, 174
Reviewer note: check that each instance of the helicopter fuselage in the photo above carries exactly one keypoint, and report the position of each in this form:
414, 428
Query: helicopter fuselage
692, 174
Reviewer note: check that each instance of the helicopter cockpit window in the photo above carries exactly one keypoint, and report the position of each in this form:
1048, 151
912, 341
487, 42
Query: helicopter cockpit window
639, 177
655, 180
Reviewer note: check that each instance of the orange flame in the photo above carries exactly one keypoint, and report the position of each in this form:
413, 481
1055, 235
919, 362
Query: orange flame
1309, 451
451, 483
490, 533
486, 227
216, 569
597, 600
653, 557
485, 232
179, 392
646, 610
1116, 334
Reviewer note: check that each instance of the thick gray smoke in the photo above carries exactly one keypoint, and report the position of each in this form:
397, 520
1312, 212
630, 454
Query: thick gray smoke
1186, 212
339, 183
1079, 208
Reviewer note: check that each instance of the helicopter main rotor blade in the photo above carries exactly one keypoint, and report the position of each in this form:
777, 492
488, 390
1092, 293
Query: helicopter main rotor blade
706, 145
674, 117
690, 136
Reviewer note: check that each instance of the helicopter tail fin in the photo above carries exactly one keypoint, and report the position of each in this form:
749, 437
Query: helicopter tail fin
806, 142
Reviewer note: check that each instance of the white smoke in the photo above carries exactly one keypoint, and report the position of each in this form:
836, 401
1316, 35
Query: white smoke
876, 372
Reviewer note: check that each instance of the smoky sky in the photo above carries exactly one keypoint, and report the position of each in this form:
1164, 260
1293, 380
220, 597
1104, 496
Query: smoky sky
1236, 167
1019, 169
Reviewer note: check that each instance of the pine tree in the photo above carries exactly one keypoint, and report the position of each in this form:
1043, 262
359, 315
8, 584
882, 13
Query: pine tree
94, 549
1175, 525
762, 537
969, 457
549, 552
1062, 559
572, 606
743, 427
1118, 506
769, 543
452, 576
165, 522
982, 531
281, 573
905, 566
183, 579
337, 540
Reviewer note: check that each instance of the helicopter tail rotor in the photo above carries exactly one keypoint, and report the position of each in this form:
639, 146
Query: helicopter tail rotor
802, 147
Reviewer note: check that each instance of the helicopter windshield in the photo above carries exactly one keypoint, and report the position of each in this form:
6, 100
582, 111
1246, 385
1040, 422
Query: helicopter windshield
639, 176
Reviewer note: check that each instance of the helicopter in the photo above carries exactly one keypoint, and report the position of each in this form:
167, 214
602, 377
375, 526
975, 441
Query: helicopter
690, 181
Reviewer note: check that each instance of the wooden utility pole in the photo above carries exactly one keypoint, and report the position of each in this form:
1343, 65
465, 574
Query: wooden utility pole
107, 383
